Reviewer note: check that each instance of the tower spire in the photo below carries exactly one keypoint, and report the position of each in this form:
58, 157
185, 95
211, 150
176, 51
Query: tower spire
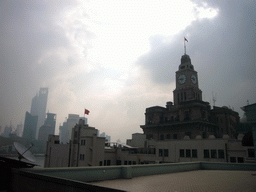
185, 45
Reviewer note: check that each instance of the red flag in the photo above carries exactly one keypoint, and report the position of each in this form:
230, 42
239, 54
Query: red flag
185, 39
86, 112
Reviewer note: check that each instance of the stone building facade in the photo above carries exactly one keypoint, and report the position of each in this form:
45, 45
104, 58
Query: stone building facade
189, 116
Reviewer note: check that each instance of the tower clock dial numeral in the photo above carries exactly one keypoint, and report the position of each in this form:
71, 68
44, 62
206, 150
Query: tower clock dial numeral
182, 79
193, 79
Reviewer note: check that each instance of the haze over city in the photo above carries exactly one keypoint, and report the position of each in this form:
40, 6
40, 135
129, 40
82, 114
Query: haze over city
116, 58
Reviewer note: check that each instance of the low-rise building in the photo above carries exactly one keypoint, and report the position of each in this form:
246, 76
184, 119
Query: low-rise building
86, 149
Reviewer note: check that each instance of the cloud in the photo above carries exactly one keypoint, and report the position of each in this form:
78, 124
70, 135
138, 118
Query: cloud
39, 47
222, 50
118, 61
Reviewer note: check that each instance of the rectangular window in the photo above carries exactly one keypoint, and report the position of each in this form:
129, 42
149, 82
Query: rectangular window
81, 156
105, 162
240, 160
187, 115
188, 153
232, 159
130, 162
182, 154
213, 153
168, 136
221, 154
118, 162
251, 153
108, 162
162, 137
166, 152
134, 162
75, 135
100, 163
175, 136
206, 153
160, 152
194, 153
125, 162
83, 142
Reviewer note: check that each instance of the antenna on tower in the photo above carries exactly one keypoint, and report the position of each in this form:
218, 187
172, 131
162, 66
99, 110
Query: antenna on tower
214, 98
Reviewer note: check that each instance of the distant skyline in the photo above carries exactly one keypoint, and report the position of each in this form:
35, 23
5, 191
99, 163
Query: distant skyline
116, 58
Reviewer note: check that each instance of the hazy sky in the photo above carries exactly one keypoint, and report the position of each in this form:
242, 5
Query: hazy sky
116, 58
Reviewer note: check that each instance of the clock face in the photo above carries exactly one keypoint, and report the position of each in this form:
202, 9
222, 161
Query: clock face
182, 79
193, 79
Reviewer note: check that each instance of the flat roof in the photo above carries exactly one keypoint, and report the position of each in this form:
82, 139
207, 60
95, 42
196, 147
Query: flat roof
199, 180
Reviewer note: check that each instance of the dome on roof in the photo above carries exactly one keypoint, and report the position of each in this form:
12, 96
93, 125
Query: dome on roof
211, 137
198, 137
185, 59
186, 137
225, 136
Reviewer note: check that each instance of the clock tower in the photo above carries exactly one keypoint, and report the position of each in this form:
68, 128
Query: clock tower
186, 82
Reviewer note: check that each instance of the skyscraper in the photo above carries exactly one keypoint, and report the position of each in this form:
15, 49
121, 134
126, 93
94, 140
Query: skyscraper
48, 127
30, 126
7, 131
19, 130
38, 107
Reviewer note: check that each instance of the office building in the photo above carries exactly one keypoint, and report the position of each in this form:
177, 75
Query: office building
19, 130
30, 126
48, 128
38, 107
86, 149
7, 131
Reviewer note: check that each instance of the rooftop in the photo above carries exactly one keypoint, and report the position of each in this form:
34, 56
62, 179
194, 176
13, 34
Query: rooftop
199, 180
190, 176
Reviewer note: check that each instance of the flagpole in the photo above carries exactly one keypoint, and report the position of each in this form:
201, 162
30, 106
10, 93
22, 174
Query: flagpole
184, 47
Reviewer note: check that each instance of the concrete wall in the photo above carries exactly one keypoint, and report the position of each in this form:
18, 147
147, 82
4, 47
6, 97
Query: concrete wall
23, 180
73, 179
57, 155
82, 174
88, 174
138, 140
228, 166
143, 170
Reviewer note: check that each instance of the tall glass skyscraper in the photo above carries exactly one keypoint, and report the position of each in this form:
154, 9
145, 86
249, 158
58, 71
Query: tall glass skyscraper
38, 108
